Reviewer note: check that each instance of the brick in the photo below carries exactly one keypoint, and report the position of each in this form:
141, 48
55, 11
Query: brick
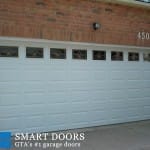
72, 21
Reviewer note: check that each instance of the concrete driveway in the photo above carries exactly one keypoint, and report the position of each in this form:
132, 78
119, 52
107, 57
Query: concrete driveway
128, 136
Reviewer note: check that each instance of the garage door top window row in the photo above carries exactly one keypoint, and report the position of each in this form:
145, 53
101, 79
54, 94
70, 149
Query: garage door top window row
60, 53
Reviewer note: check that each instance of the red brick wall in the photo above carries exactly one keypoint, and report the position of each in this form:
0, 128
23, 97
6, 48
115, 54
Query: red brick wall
71, 20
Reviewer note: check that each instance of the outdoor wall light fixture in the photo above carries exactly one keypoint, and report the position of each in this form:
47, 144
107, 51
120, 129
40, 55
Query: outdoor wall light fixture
96, 25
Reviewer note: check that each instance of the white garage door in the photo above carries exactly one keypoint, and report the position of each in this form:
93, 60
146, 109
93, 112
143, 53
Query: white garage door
47, 86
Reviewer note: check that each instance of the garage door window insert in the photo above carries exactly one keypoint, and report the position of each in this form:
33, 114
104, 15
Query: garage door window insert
146, 57
8, 51
118, 56
99, 55
132, 56
56, 53
34, 52
79, 54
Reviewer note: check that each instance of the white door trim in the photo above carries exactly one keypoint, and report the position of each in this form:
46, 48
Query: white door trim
22, 41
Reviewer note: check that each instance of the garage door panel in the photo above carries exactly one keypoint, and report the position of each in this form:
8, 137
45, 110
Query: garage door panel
34, 75
31, 130
117, 85
79, 75
79, 96
146, 101
135, 102
134, 75
56, 75
146, 75
98, 99
76, 107
146, 110
8, 124
6, 87
79, 65
99, 85
33, 87
135, 84
56, 120
98, 95
57, 108
33, 110
10, 111
10, 99
9, 75
57, 63
33, 98
31, 67
98, 115
134, 65
145, 92
79, 86
116, 104
37, 121
11, 67
134, 93
33, 62
133, 112
141, 93
80, 117
117, 66
117, 94
98, 64
130, 104
118, 75
146, 83
99, 75
99, 106
57, 97
58, 86
9, 63
118, 114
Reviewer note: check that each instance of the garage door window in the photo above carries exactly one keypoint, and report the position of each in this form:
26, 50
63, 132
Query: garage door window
79, 54
8, 51
34, 52
146, 57
132, 56
99, 55
56, 53
117, 56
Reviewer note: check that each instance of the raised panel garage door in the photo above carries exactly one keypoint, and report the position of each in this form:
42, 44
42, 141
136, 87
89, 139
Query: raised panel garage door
42, 92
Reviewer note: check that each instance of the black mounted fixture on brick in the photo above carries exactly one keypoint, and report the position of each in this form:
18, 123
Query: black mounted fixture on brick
96, 25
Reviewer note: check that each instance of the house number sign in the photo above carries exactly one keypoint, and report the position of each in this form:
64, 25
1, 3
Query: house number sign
144, 35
